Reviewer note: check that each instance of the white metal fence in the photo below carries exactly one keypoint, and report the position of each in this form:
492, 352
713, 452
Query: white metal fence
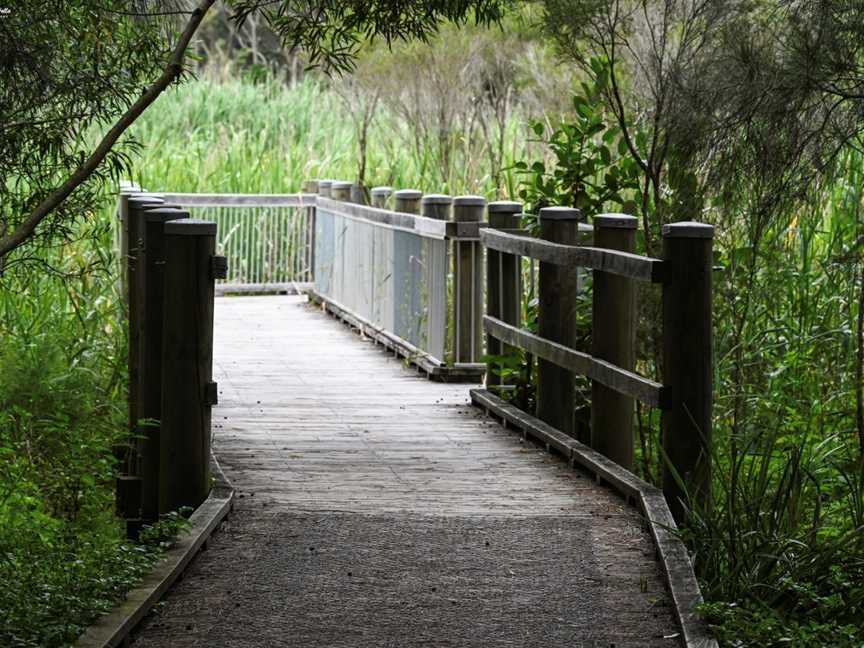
266, 237
391, 273
394, 274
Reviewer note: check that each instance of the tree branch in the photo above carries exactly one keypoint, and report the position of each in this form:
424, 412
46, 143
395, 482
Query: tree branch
172, 71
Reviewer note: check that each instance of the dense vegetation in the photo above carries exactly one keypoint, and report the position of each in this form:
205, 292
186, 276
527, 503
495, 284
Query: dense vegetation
781, 555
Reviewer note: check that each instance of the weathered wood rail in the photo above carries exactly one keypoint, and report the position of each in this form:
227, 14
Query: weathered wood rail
685, 397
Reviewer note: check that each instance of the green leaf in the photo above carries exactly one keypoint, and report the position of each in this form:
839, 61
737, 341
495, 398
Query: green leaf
622, 148
605, 155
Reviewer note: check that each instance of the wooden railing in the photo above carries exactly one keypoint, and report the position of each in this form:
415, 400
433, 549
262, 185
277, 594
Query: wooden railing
411, 277
389, 272
684, 396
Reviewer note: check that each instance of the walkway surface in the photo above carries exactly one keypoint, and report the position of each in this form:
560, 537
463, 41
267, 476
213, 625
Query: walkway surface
378, 508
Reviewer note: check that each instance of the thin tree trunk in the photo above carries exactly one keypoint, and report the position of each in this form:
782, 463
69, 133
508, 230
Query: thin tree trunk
859, 365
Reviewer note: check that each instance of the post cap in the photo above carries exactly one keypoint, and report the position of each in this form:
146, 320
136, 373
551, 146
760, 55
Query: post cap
138, 200
689, 229
190, 227
437, 199
158, 205
380, 191
505, 207
408, 194
324, 183
469, 201
162, 214
616, 221
341, 184
560, 213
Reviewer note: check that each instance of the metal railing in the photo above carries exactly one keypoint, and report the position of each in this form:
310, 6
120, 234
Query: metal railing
390, 274
268, 237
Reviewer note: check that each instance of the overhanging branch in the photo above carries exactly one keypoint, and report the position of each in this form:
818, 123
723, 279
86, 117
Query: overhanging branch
172, 71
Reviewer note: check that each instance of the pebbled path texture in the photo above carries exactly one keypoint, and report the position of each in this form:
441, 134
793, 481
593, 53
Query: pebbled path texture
377, 508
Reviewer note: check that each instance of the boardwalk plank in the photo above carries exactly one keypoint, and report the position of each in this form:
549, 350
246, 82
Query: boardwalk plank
377, 508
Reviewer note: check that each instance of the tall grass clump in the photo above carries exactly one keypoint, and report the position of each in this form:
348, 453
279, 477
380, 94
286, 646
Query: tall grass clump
235, 135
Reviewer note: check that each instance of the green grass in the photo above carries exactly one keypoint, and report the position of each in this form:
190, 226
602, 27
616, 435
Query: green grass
236, 136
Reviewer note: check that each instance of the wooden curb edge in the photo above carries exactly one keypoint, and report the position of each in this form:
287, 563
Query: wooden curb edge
677, 568
115, 627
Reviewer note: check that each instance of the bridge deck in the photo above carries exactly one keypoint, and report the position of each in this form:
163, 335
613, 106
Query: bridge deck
377, 508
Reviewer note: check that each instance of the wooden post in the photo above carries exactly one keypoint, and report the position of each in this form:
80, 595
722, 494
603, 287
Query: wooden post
359, 194
503, 281
341, 191
613, 339
325, 188
151, 303
468, 284
126, 192
380, 195
135, 279
557, 289
407, 201
188, 390
127, 501
310, 186
687, 363
437, 206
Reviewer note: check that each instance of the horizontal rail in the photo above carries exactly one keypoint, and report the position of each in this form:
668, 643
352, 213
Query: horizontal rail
419, 225
240, 200
625, 264
286, 287
625, 382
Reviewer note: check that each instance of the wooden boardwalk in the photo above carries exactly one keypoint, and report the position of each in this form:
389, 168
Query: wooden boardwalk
378, 508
